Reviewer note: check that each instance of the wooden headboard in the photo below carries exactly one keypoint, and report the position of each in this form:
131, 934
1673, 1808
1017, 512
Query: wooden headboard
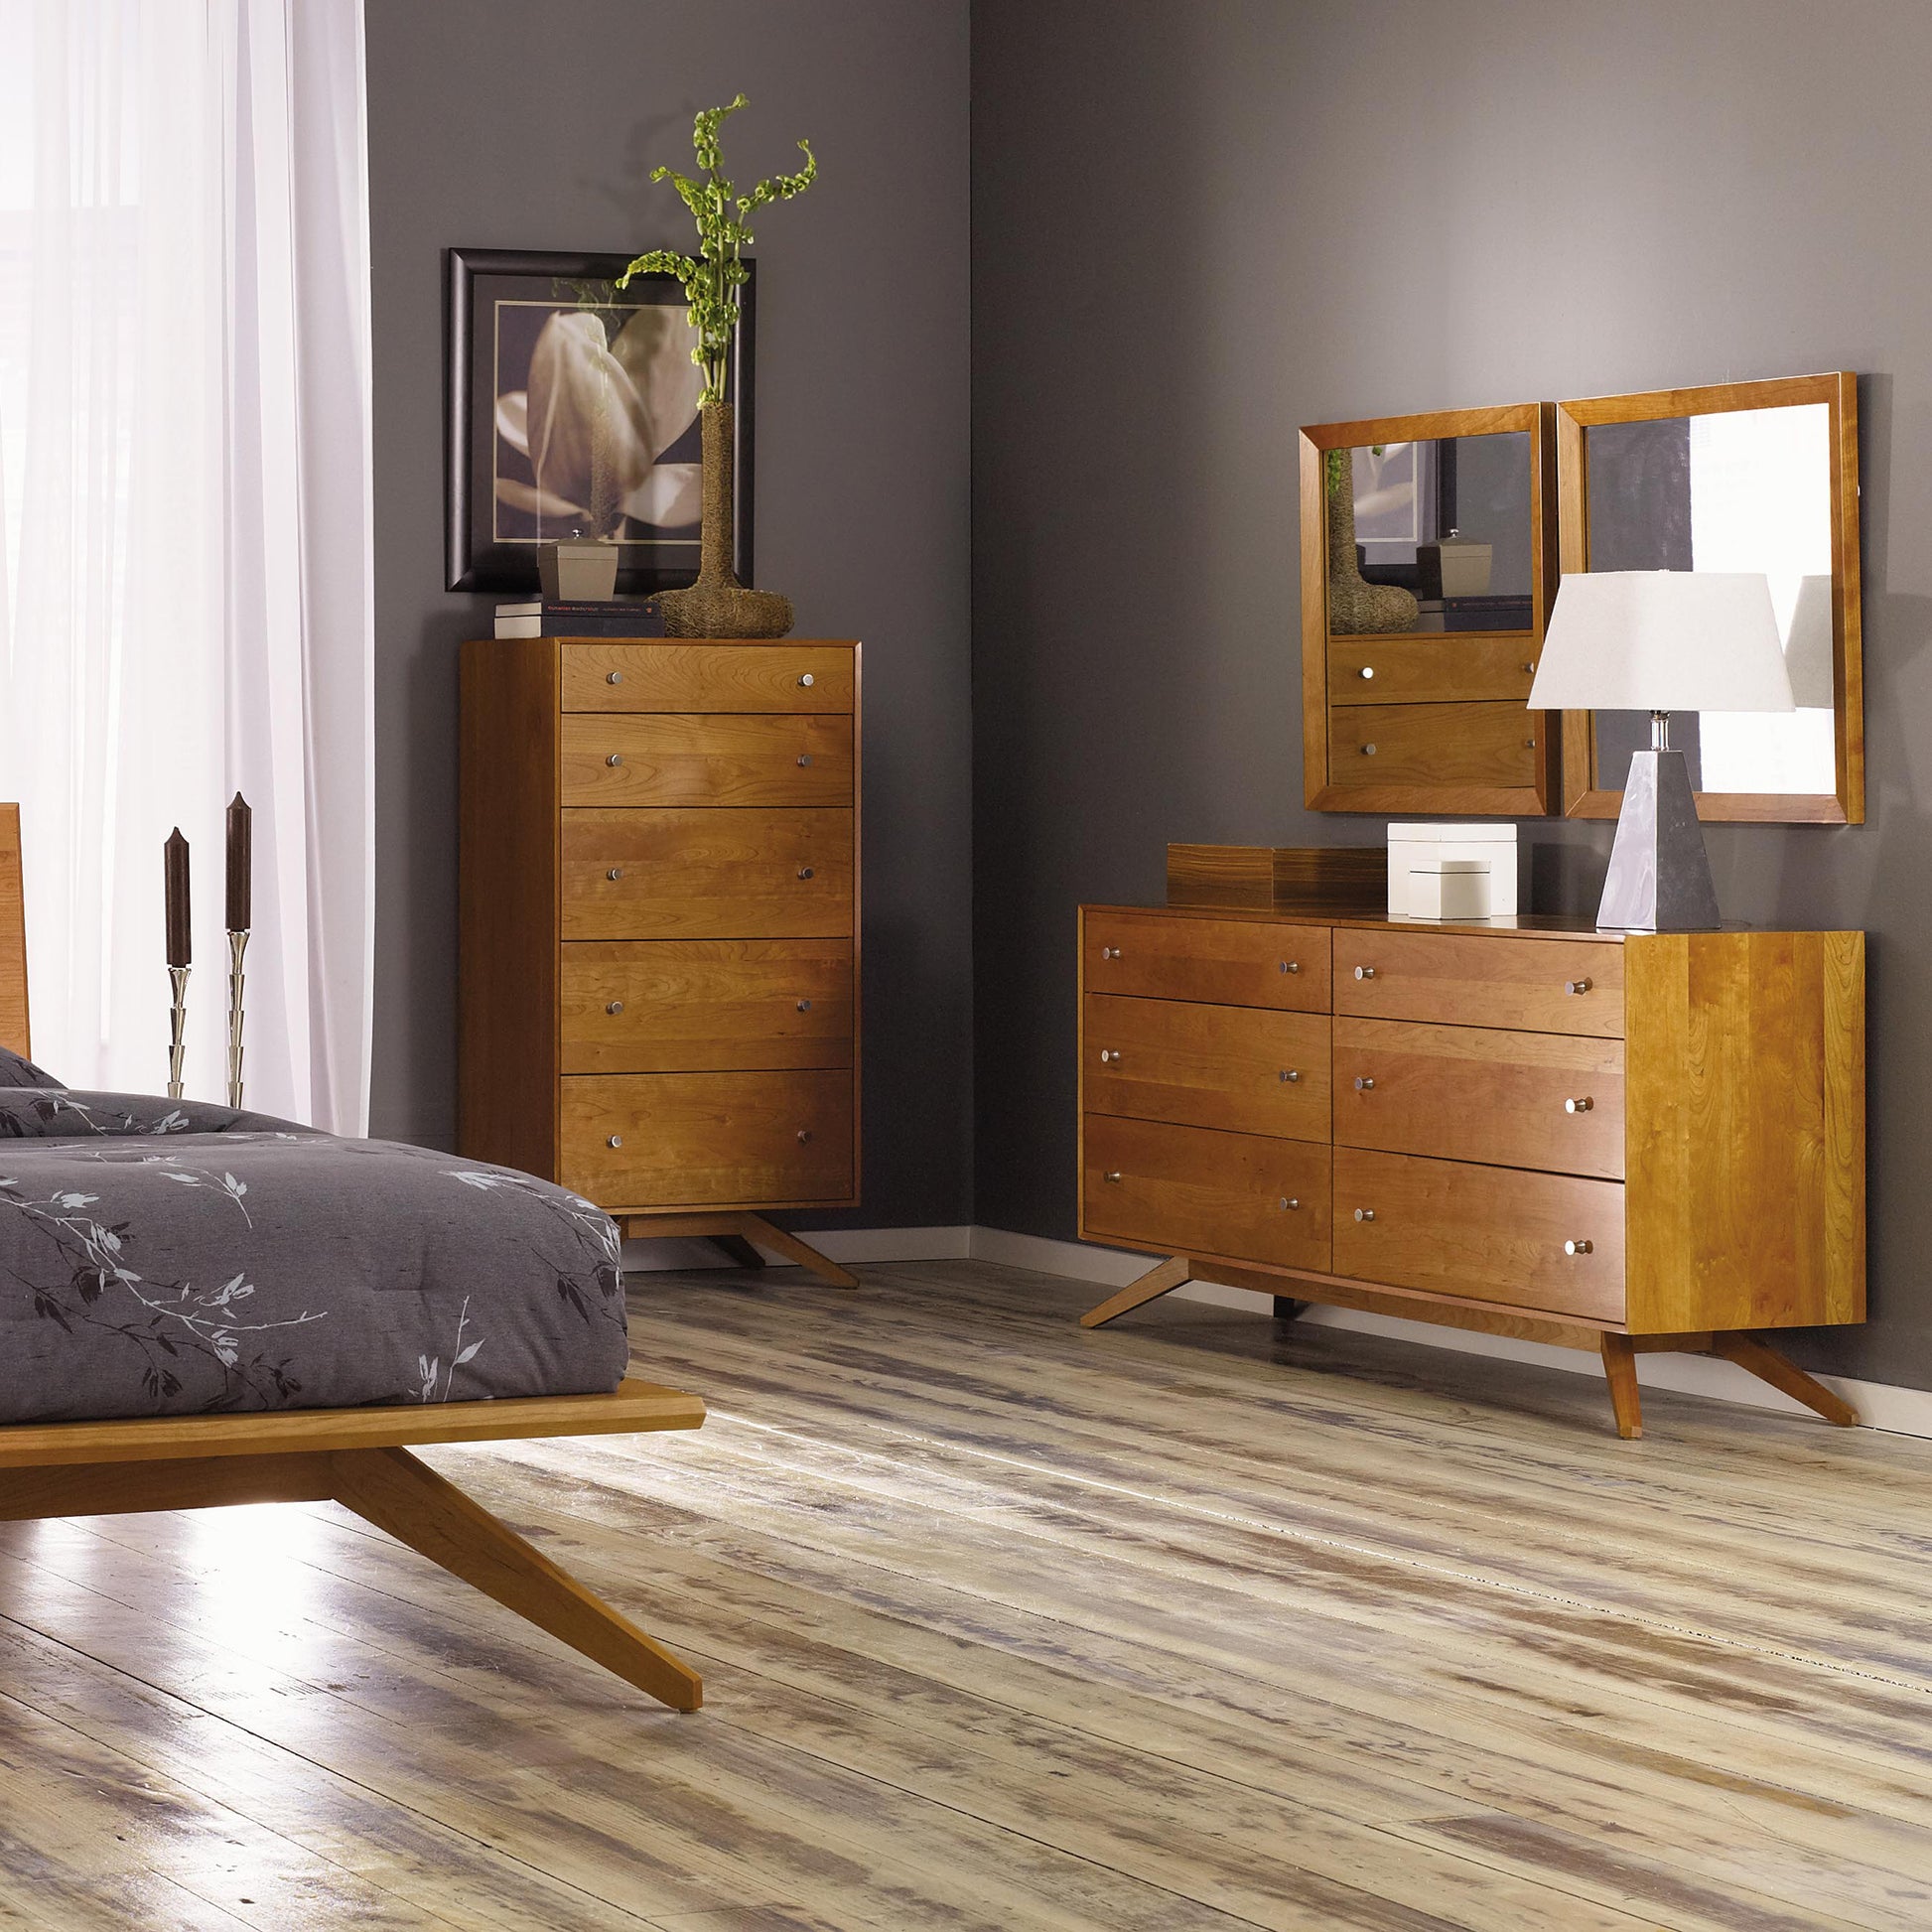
13, 936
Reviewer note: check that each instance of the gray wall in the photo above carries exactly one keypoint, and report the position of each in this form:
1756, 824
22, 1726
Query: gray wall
1199, 226
505, 123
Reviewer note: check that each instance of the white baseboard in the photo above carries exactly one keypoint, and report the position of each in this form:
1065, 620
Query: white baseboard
1903, 1412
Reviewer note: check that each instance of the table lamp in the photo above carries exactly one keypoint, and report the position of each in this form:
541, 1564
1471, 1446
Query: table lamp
1661, 640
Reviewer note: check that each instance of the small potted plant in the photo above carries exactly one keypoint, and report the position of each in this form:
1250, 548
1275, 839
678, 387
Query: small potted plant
717, 605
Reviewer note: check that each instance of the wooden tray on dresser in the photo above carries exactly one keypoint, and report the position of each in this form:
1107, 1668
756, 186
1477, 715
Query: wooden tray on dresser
1523, 1126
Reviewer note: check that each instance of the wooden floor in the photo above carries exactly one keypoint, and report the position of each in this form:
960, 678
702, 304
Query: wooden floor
1192, 1624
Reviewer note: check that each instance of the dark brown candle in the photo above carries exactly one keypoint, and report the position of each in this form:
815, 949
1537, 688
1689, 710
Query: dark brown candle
175, 854
241, 860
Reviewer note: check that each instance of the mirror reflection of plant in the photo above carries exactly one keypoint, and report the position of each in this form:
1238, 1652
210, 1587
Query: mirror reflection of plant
712, 278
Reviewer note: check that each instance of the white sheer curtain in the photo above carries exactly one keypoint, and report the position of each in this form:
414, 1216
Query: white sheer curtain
185, 579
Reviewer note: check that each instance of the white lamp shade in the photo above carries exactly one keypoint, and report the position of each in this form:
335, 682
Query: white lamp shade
1662, 641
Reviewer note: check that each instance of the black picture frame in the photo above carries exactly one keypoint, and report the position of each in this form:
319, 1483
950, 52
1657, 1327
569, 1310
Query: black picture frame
491, 545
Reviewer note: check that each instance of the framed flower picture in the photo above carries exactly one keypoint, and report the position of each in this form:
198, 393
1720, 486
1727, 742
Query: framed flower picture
573, 412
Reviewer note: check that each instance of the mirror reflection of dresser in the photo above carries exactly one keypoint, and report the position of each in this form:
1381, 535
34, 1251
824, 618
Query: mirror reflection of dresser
1432, 548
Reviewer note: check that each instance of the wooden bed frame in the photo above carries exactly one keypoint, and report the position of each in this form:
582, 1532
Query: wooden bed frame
359, 1457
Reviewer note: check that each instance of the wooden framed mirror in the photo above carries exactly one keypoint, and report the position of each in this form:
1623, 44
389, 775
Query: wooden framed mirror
1738, 477
1429, 558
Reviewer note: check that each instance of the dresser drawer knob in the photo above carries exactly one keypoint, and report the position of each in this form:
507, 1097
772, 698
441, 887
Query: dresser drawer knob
1290, 1204
614, 1008
614, 677
615, 872
1368, 751
804, 872
1364, 972
1578, 986
1365, 1214
615, 1140
1528, 666
804, 758
1578, 1248
1368, 670
804, 1135
805, 680
1529, 745
1291, 965
1292, 1074
1109, 952
804, 1005
616, 757
1366, 1084
1111, 1178
1110, 1058
1582, 1104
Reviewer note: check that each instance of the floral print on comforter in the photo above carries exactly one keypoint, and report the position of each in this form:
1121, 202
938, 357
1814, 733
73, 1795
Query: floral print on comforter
176, 1258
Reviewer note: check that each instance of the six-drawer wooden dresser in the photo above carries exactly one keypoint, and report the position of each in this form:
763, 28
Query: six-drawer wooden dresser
659, 927
1522, 1125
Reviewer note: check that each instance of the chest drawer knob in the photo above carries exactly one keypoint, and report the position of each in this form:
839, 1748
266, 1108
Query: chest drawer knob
1582, 1104
1109, 952
805, 681
1579, 1247
804, 872
1368, 751
616, 758
614, 1008
804, 1135
1292, 1074
804, 758
615, 873
614, 677
1110, 1057
1578, 986
615, 1140
1365, 1214
1291, 965
1365, 1083
1368, 670
804, 1005
1364, 972
1290, 1204
1111, 1178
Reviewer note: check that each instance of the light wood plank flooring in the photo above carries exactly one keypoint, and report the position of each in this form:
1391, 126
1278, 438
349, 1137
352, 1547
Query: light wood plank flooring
1198, 1622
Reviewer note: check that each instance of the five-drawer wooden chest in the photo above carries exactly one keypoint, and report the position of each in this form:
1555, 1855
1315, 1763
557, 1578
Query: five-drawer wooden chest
1523, 1126
659, 926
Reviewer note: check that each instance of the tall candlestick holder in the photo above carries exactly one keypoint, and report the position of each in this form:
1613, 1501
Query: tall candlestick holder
237, 945
176, 1028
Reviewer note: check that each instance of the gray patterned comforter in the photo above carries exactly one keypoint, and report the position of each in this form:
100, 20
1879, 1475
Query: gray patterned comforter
173, 1258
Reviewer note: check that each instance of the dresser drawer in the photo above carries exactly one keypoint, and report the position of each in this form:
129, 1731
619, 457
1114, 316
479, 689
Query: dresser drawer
1411, 670
678, 676
1550, 986
671, 1005
717, 873
1553, 1101
1228, 962
1236, 1067
1432, 745
708, 1139
676, 758
1488, 1234
1194, 1191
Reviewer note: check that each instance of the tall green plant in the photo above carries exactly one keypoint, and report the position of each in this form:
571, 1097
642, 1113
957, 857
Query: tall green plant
711, 278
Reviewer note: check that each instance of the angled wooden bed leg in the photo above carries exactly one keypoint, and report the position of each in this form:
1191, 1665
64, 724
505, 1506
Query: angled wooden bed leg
1764, 1362
739, 1251
758, 1228
390, 1488
1155, 1283
1620, 1371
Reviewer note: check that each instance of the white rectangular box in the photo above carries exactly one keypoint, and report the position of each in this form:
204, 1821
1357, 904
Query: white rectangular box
1452, 871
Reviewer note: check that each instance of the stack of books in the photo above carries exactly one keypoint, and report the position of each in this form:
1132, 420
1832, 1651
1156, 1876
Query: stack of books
612, 616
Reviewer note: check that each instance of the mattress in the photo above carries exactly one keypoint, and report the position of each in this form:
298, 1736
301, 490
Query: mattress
172, 1258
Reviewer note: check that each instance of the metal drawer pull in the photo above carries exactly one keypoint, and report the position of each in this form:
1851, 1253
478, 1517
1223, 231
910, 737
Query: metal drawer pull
616, 1005
1291, 965
1529, 668
1368, 751
1368, 670
804, 758
1529, 745
1292, 1074
1290, 1204
806, 680
615, 1140
1365, 1214
1112, 1058
616, 757
616, 872
615, 677
1364, 1085
1364, 972
804, 1135
1581, 1105
804, 872
1114, 1176
1109, 952
1577, 986
1578, 1248
804, 1005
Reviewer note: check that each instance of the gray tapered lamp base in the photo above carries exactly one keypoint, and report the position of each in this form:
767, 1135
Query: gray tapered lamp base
1660, 876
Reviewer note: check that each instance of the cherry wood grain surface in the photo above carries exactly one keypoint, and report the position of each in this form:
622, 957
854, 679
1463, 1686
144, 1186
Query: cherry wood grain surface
13, 1031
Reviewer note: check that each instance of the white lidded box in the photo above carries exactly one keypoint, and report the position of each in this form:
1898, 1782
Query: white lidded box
1451, 872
